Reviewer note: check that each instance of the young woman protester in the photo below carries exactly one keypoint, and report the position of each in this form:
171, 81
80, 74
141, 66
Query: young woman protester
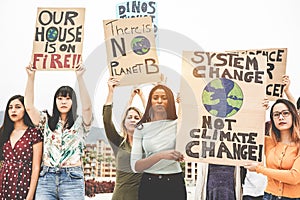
282, 153
153, 151
64, 133
254, 183
21, 152
127, 182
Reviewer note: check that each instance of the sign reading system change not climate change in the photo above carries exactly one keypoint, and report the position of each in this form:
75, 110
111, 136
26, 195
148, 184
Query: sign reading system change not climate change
222, 118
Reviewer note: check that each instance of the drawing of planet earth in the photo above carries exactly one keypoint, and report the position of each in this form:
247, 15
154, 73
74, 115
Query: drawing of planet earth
222, 97
140, 45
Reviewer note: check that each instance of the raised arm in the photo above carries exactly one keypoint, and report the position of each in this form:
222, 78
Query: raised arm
265, 103
29, 96
111, 83
286, 81
141, 95
178, 100
84, 96
110, 130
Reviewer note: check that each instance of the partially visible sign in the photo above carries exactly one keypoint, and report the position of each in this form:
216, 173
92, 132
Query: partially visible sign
276, 68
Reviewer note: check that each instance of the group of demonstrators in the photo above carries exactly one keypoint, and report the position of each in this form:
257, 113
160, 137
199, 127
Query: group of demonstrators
41, 152
151, 151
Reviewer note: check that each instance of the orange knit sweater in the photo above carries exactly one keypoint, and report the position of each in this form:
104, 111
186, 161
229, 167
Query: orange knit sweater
283, 169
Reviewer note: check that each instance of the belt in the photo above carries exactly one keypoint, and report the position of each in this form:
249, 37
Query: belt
160, 176
61, 169
278, 197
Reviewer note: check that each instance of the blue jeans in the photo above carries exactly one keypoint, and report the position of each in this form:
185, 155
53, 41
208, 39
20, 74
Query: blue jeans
60, 183
268, 196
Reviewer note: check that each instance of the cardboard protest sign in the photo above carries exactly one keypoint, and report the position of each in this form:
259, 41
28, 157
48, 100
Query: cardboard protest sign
276, 68
141, 8
222, 119
58, 38
131, 52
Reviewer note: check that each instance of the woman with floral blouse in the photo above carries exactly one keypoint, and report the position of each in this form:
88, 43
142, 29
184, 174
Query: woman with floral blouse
64, 132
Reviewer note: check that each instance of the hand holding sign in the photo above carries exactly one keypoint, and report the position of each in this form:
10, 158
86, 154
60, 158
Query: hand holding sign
30, 70
252, 166
79, 69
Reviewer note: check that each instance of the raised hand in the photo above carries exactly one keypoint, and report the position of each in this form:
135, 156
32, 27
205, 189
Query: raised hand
79, 70
265, 103
286, 81
112, 82
30, 70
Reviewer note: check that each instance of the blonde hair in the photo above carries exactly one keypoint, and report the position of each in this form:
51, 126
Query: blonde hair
124, 130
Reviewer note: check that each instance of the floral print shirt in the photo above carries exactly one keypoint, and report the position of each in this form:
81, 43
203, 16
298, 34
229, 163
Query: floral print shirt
63, 147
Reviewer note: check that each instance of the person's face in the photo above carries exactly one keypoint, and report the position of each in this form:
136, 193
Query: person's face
131, 119
16, 110
159, 101
64, 104
282, 117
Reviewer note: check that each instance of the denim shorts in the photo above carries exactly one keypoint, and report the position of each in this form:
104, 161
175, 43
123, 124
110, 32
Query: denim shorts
65, 183
268, 196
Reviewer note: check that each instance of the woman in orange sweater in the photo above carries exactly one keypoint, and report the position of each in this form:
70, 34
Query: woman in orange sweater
282, 153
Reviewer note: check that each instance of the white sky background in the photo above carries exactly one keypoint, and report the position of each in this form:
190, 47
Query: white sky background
215, 25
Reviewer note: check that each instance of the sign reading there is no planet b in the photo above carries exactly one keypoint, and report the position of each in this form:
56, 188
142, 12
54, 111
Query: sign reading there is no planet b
131, 50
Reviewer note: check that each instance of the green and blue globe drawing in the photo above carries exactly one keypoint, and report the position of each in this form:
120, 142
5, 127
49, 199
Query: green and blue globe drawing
52, 34
222, 97
140, 45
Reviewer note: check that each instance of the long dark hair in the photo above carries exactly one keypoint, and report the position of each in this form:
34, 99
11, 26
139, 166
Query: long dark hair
295, 119
8, 125
63, 91
171, 109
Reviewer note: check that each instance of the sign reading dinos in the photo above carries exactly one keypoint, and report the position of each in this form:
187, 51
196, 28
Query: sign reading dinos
222, 118
131, 52
140, 8
58, 38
